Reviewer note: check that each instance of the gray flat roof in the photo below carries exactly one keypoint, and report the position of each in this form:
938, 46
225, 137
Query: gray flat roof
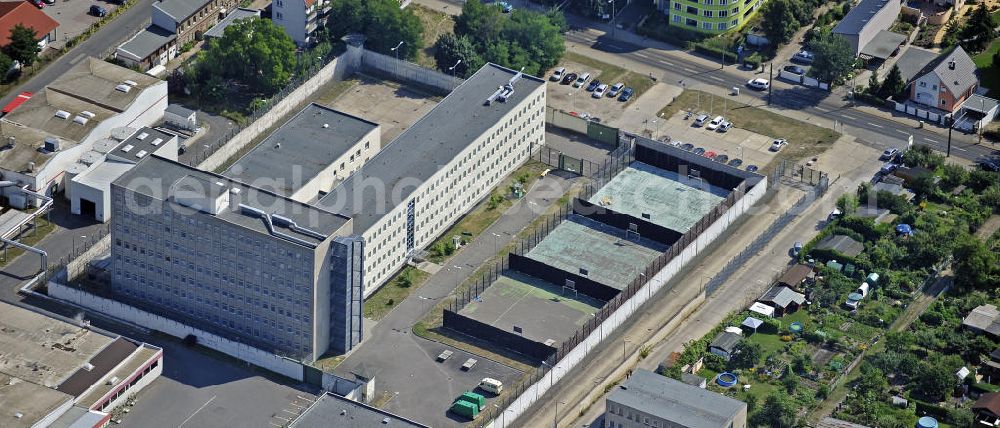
147, 41
859, 16
676, 401
431, 143
883, 45
155, 176
300, 149
239, 13
146, 139
980, 103
180, 9
331, 410
179, 110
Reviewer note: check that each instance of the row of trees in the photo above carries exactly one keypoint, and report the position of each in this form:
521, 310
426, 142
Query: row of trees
483, 33
383, 23
975, 34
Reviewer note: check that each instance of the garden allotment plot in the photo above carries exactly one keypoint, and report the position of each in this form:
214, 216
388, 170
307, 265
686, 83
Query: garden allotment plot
608, 258
543, 310
669, 200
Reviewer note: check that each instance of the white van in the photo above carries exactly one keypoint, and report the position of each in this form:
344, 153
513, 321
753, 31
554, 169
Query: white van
581, 80
491, 385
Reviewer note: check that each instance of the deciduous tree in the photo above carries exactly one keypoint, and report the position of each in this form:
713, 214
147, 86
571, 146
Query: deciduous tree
778, 21
834, 57
23, 46
253, 51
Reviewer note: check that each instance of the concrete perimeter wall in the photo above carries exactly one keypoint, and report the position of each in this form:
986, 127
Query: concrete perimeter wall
407, 72
631, 306
337, 69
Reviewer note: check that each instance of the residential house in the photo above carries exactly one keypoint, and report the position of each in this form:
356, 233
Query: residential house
724, 345
13, 13
866, 28
649, 400
987, 411
984, 318
784, 300
300, 18
175, 23
946, 82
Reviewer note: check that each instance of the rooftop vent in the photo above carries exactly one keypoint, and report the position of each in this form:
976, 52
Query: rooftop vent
113, 380
127, 148
343, 412
951, 65
51, 144
142, 136
18, 415
157, 142
130, 82
141, 153
81, 120
123, 88
87, 114
326, 125
385, 421
62, 114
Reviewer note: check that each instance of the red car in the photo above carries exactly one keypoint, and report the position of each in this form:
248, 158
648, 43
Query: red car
38, 3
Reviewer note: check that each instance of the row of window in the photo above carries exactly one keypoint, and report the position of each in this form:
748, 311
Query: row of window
130, 385
707, 13
705, 25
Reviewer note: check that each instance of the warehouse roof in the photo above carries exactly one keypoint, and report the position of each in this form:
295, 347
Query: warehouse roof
155, 177
300, 149
859, 16
431, 143
675, 401
147, 42
142, 143
336, 411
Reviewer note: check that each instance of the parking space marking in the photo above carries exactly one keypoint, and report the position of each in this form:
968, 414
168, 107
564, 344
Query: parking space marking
196, 411
272, 423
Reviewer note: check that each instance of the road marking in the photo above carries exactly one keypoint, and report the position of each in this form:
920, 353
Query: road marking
822, 109
272, 423
849, 117
689, 70
289, 411
196, 411
928, 139
900, 131
641, 54
960, 149
667, 62
876, 125
77, 58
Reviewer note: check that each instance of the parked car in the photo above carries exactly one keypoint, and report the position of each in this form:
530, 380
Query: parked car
725, 126
593, 85
778, 144
760, 84
735, 163
581, 80
721, 158
599, 92
715, 123
888, 168
888, 154
752, 168
616, 89
794, 69
49, 1
569, 78
687, 147
699, 151
796, 249
557, 75
38, 4
700, 119
505, 7
626, 95
803, 57
97, 11
990, 164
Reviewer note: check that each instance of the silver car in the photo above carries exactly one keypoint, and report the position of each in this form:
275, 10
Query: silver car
700, 119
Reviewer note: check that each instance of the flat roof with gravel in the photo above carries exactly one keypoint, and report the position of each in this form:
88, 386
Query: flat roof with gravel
541, 309
610, 259
670, 200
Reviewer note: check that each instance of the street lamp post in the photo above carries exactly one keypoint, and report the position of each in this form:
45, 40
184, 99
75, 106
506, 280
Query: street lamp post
624, 341
612, 18
496, 237
396, 49
452, 70
74, 243
555, 419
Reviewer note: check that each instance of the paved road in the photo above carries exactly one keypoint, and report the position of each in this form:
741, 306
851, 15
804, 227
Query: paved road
675, 65
110, 36
403, 363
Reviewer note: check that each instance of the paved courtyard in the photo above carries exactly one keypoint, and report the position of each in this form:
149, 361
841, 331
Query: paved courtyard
392, 106
74, 18
737, 143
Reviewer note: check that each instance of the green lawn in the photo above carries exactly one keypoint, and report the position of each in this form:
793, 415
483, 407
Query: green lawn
30, 237
394, 292
435, 25
989, 72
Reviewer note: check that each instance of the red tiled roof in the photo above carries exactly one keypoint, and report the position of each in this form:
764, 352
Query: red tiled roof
26, 14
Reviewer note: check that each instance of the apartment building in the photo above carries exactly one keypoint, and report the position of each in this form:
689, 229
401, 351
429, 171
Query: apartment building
175, 22
434, 172
235, 260
650, 400
710, 16
300, 18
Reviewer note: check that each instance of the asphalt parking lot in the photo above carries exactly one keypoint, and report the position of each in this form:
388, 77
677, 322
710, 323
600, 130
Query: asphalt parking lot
738, 143
572, 99
198, 389
73, 17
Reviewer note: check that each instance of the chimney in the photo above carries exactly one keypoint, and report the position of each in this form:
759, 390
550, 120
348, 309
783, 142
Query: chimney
234, 199
951, 65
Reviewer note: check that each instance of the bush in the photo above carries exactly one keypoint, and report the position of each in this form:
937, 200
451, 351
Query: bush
754, 60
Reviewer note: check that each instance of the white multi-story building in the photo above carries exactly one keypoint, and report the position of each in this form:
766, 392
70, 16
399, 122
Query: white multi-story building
60, 124
439, 168
299, 18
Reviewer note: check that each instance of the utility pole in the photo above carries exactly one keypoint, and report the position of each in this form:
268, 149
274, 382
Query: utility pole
951, 125
612, 18
769, 85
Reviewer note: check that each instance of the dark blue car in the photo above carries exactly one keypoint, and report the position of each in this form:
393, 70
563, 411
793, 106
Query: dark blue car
593, 85
626, 94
